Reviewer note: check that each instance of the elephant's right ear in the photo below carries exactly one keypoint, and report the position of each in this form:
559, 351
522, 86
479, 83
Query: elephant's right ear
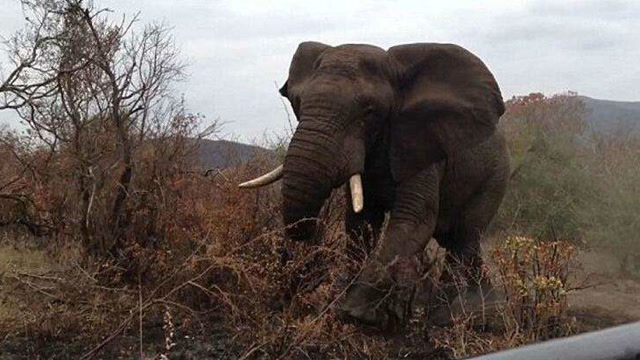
300, 71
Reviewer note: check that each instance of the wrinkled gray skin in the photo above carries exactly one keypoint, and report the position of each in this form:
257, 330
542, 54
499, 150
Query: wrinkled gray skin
419, 123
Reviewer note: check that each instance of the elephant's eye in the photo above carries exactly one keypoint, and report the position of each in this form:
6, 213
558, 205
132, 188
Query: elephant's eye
316, 64
369, 110
295, 104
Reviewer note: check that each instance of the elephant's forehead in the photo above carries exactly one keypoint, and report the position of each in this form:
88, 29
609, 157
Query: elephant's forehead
358, 50
353, 58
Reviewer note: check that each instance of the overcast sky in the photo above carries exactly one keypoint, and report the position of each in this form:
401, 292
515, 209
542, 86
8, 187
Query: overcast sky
238, 50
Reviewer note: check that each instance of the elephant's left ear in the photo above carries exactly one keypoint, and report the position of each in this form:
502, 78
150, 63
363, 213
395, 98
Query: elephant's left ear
449, 101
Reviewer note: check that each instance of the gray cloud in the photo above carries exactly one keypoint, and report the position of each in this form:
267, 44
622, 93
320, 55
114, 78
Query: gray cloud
238, 49
600, 9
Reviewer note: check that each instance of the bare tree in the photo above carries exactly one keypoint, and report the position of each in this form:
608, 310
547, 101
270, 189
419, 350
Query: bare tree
98, 92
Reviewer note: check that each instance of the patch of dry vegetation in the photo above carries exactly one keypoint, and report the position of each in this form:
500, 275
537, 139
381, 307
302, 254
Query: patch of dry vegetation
532, 279
223, 273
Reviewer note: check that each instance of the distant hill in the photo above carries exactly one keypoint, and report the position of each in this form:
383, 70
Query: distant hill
223, 154
612, 116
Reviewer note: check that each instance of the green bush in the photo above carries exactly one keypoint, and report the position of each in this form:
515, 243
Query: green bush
568, 181
547, 184
610, 220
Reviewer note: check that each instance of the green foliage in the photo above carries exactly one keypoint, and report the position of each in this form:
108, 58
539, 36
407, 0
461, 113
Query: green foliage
547, 184
611, 220
569, 182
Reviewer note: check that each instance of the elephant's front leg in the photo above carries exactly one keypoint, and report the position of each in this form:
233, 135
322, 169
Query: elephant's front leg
378, 296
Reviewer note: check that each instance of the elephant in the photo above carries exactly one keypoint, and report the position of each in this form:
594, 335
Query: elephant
410, 132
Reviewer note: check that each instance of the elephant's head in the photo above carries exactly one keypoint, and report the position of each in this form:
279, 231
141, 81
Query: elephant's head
417, 103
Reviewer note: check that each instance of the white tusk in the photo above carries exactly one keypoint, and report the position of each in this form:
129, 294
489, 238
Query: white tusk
266, 179
357, 198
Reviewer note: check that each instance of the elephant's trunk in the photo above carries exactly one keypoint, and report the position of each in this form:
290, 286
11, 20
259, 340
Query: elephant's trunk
311, 170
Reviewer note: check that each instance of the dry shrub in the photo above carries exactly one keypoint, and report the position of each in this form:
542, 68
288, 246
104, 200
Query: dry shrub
274, 297
220, 262
534, 277
532, 281
18, 207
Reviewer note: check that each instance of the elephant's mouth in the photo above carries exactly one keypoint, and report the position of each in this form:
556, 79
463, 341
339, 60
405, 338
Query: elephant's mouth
355, 185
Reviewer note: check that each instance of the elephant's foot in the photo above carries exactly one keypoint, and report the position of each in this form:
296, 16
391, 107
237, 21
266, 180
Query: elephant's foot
368, 305
461, 300
382, 295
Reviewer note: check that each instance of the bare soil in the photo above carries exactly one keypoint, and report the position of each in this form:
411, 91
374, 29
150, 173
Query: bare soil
607, 297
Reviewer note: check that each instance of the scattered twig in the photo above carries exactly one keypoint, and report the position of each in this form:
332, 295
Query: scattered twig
140, 315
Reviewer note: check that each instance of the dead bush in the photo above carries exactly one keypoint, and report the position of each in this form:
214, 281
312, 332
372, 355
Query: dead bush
532, 282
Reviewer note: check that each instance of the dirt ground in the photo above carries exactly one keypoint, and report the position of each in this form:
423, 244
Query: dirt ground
607, 298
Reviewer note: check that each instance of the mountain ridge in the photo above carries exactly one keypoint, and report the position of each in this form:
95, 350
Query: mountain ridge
221, 154
611, 116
